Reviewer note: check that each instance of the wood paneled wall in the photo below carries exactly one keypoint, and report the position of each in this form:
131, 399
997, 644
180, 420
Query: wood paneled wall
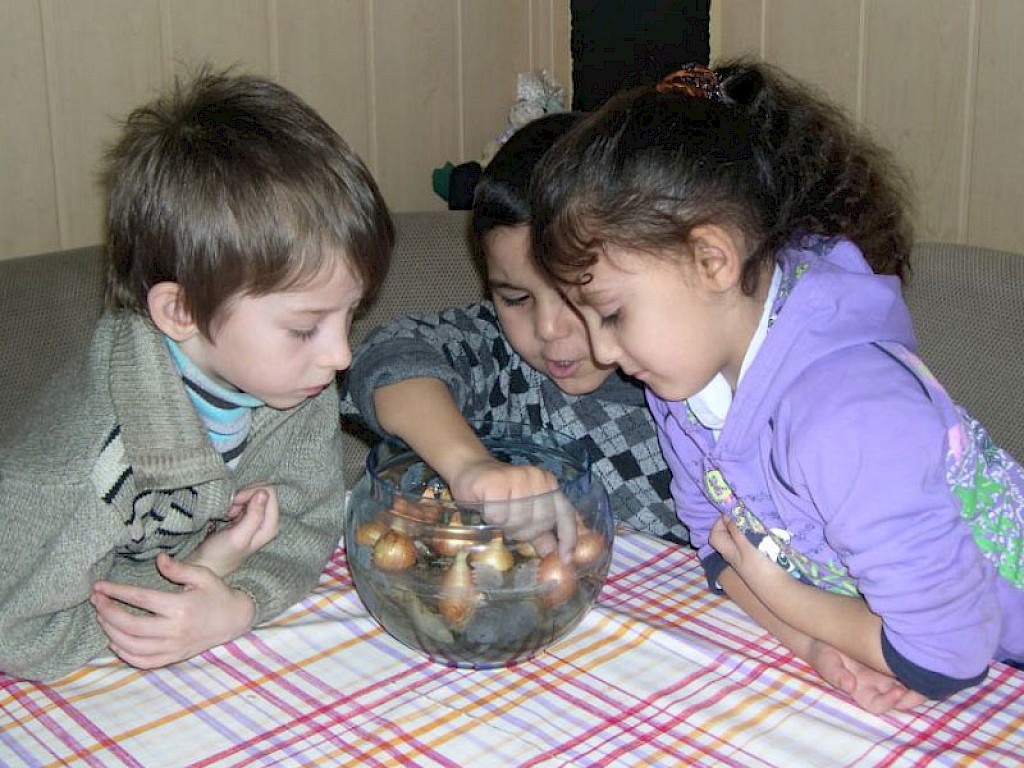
410, 84
940, 82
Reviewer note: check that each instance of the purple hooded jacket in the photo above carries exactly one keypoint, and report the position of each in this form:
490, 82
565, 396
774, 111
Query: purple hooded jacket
845, 460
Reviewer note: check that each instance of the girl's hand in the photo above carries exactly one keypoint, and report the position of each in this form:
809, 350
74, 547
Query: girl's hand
254, 519
870, 689
548, 522
760, 573
177, 626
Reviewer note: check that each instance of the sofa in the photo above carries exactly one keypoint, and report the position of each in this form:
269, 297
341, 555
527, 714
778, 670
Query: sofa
966, 303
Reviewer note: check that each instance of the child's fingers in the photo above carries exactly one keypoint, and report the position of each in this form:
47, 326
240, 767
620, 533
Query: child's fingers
565, 525
180, 572
248, 525
269, 524
722, 539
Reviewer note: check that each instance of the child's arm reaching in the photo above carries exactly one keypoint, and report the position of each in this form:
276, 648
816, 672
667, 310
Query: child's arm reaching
838, 636
422, 412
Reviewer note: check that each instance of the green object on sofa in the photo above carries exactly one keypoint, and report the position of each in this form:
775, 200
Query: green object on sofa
966, 303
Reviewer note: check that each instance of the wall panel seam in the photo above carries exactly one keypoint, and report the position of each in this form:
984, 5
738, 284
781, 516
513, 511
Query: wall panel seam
862, 62
166, 43
969, 117
531, 53
273, 41
460, 74
369, 8
46, 31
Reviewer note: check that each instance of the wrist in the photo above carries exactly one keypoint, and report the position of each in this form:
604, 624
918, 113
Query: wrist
246, 609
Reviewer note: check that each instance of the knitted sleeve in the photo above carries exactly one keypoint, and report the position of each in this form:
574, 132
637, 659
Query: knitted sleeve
463, 347
302, 459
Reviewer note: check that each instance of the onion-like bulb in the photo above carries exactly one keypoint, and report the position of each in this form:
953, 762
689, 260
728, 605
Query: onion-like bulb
590, 547
369, 533
458, 595
424, 513
449, 546
394, 551
557, 579
495, 555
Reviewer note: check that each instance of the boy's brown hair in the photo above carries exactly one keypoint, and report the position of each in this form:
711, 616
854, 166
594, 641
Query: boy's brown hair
231, 184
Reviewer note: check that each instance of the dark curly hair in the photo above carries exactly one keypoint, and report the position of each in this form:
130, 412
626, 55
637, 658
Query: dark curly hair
762, 154
501, 197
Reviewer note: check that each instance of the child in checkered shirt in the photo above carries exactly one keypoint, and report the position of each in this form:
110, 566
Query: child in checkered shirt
521, 357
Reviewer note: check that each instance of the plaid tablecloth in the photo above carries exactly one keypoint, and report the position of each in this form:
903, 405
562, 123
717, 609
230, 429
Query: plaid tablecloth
659, 673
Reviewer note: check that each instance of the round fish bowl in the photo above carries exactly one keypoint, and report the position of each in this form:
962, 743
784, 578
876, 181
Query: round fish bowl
479, 584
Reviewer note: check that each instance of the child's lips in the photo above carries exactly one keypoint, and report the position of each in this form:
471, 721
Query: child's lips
314, 391
561, 369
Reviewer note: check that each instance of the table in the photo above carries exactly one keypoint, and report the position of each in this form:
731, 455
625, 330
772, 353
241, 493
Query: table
659, 673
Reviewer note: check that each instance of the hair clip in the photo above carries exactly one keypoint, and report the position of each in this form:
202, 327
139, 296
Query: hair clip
695, 80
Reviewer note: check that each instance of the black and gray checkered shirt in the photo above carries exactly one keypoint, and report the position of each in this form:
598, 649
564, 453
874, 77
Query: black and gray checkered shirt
466, 349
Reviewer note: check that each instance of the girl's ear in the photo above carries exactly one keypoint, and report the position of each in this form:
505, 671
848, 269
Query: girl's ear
718, 256
167, 310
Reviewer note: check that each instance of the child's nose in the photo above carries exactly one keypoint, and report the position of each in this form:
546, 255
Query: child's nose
604, 348
553, 318
337, 353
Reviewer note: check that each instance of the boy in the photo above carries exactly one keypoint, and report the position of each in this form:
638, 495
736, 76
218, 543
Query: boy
183, 482
524, 357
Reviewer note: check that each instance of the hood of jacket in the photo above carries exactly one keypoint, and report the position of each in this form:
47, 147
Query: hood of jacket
828, 300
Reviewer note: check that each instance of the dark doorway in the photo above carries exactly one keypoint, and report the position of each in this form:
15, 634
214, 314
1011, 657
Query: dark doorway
620, 44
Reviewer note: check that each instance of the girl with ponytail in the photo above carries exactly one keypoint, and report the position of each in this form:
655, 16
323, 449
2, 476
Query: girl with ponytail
735, 243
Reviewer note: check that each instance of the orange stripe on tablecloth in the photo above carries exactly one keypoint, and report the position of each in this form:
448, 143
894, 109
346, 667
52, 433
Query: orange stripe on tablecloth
577, 663
936, 726
503, 698
665, 737
316, 603
761, 703
573, 668
206, 703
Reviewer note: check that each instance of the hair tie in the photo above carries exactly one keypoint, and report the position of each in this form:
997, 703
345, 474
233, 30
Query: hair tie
695, 80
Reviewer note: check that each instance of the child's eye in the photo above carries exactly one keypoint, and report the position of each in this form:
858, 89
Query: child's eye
514, 301
610, 320
303, 334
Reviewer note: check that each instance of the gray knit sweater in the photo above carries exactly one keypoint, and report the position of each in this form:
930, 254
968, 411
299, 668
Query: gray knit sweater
114, 466
466, 349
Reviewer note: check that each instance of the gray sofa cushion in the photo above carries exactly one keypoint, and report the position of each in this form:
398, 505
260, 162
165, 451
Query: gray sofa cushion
48, 306
968, 309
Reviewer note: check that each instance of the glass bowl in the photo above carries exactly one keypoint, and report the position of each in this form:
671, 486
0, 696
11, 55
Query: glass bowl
448, 581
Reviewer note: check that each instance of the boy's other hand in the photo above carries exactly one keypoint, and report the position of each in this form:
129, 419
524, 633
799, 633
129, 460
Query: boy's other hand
511, 490
177, 625
254, 520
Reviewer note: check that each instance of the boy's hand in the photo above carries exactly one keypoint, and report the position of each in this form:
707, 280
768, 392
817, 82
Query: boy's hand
179, 625
548, 523
254, 519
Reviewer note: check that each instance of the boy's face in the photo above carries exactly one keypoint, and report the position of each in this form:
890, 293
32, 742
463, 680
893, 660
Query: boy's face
539, 324
283, 347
